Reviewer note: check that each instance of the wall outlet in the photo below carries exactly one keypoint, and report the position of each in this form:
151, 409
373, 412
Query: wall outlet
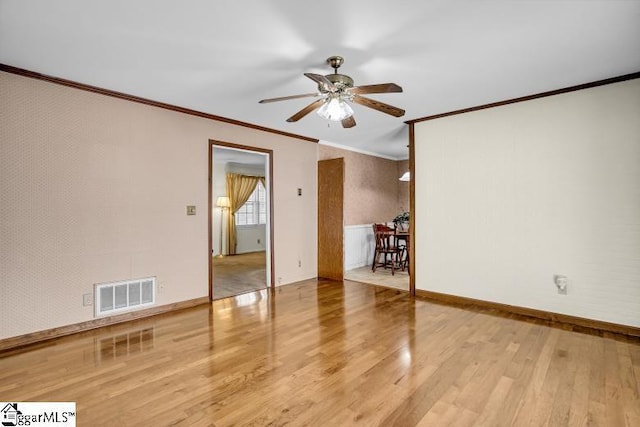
258, 241
299, 263
561, 283
87, 299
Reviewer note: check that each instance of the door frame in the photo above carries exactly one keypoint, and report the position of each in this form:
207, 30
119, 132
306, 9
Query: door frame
269, 153
412, 210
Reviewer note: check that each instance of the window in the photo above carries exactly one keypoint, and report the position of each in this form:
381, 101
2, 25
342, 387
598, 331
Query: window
254, 211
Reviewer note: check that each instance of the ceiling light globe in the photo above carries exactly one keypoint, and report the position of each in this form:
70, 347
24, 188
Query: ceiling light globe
335, 110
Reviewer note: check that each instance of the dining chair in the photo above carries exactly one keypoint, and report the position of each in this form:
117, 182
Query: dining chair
387, 253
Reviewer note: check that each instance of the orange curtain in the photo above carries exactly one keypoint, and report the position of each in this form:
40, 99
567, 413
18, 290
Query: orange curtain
239, 189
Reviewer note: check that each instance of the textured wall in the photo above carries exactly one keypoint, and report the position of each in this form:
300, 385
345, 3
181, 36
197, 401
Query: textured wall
371, 186
94, 189
403, 186
508, 197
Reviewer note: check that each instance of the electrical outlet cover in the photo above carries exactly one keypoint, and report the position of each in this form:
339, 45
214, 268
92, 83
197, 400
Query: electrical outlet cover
87, 299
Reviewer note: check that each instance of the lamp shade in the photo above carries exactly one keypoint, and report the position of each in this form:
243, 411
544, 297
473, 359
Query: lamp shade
406, 176
335, 109
223, 202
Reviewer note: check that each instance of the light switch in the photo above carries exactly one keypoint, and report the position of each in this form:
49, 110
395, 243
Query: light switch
191, 210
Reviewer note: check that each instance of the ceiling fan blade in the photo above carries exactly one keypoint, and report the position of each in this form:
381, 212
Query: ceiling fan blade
380, 106
319, 78
284, 98
379, 88
306, 110
349, 122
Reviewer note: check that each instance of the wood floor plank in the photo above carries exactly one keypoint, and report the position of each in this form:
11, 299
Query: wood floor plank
333, 354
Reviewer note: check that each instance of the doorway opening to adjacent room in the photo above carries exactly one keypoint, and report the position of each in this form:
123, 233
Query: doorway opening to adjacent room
240, 219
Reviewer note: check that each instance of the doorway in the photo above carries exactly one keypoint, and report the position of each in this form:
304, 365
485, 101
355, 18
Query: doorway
240, 219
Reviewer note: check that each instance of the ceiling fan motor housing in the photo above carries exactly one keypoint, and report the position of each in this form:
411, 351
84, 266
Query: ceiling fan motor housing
341, 81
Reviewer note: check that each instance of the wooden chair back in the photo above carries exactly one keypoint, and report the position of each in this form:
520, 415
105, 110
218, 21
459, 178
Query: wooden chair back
383, 237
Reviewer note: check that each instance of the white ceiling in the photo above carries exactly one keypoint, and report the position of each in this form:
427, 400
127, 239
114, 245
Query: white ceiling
222, 56
230, 155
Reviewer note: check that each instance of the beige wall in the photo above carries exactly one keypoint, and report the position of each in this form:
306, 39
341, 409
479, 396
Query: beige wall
508, 197
371, 186
94, 189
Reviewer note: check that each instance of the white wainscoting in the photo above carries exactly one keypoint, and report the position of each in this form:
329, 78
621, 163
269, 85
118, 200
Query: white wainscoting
358, 246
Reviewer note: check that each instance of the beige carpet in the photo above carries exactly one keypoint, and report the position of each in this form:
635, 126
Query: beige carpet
382, 277
237, 274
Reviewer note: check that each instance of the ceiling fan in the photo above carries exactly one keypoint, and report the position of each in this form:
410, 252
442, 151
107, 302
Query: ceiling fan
335, 91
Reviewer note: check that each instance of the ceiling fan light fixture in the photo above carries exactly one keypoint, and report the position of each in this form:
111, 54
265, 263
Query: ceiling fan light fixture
336, 91
335, 109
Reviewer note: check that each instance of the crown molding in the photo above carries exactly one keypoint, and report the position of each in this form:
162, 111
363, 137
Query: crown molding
70, 83
589, 85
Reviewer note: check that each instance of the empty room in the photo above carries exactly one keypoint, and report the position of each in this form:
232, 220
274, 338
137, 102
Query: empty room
271, 213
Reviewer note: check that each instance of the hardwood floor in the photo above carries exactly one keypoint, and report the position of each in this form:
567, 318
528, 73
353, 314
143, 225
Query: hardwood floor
334, 354
237, 274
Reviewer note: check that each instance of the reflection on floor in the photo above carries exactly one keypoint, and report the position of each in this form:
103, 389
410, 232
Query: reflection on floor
237, 274
324, 353
382, 277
